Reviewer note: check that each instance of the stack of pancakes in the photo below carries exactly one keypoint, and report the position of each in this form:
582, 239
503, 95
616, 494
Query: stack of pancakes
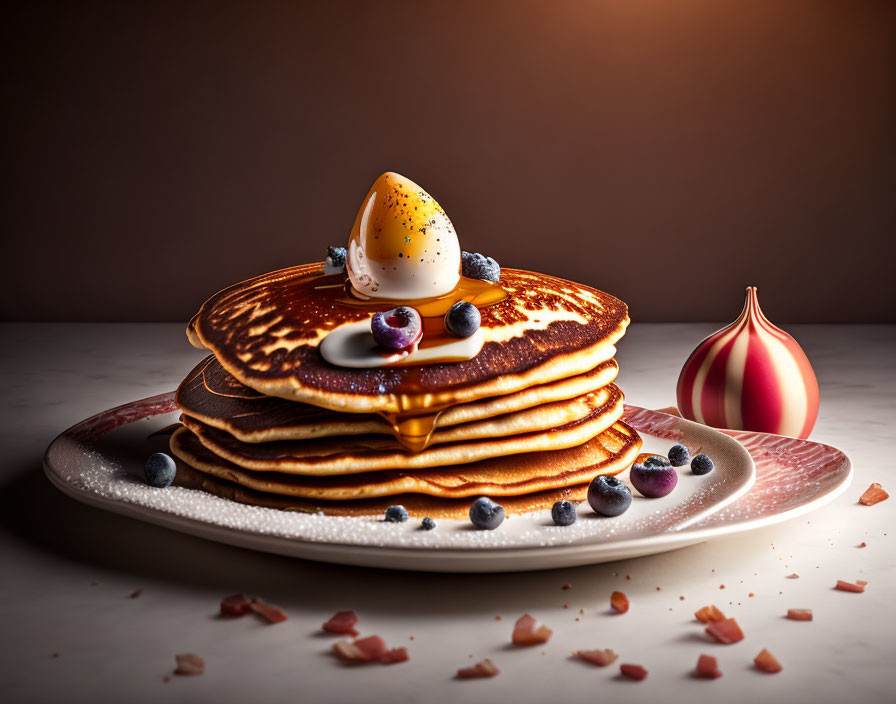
531, 419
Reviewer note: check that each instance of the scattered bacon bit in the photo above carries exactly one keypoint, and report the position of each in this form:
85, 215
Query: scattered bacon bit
598, 657
863, 544
767, 662
166, 679
497, 618
793, 576
619, 601
708, 667
272, 613
189, 664
633, 672
94, 583
726, 631
859, 586
55, 655
874, 494
137, 592
486, 668
361, 650
566, 586
566, 606
394, 655
709, 613
628, 577
525, 633
721, 586
342, 622
235, 605
799, 614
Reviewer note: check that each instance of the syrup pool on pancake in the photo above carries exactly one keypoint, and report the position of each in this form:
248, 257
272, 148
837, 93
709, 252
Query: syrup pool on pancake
403, 250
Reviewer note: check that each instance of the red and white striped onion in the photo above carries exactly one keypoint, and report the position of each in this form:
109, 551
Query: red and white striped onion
750, 375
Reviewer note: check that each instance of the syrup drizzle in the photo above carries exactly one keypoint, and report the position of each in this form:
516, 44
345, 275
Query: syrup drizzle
414, 424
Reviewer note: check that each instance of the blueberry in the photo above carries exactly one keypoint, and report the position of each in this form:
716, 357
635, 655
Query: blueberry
335, 257
462, 319
486, 514
679, 455
653, 482
701, 464
396, 329
160, 470
478, 266
657, 461
396, 514
563, 513
428, 523
608, 496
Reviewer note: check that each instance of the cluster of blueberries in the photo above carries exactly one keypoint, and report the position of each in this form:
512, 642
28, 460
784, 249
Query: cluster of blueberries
401, 327
607, 495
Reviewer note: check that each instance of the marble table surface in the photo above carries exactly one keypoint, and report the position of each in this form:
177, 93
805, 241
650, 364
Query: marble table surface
70, 633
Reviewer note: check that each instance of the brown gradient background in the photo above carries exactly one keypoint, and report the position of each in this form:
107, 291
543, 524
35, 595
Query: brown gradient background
668, 152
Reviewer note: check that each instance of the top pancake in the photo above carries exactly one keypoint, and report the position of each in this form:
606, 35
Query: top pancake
265, 332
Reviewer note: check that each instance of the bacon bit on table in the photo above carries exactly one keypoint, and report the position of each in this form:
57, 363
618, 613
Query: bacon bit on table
619, 602
189, 664
708, 667
394, 655
726, 631
272, 613
235, 605
342, 622
708, 614
486, 668
602, 658
858, 587
525, 633
566, 586
799, 614
361, 650
793, 576
863, 544
633, 672
767, 662
137, 592
874, 494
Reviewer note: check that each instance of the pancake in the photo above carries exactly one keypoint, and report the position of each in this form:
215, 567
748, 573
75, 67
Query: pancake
369, 453
417, 505
213, 396
609, 452
266, 332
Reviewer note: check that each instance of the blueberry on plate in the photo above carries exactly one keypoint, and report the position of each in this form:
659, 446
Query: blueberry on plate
563, 513
159, 470
478, 266
657, 461
608, 496
486, 514
335, 257
428, 523
679, 455
653, 482
462, 319
397, 329
701, 464
396, 514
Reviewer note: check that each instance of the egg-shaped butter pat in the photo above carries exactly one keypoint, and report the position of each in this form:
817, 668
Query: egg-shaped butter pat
402, 245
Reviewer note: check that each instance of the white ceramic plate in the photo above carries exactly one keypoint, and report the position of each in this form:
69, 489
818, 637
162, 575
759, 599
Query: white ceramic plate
93, 462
